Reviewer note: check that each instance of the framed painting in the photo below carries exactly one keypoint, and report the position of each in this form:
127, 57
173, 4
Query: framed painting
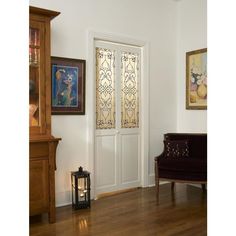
196, 79
68, 86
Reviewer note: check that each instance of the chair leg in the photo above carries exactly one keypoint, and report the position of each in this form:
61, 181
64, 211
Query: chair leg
172, 186
204, 187
157, 183
157, 190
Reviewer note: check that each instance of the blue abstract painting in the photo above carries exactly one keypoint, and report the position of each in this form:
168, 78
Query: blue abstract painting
65, 86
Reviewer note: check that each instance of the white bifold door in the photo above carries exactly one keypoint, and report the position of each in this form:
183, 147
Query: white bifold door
117, 134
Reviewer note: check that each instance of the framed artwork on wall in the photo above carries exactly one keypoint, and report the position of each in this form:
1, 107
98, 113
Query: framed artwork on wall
68, 86
196, 79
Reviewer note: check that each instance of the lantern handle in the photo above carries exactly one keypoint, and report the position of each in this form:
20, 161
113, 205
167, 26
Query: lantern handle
80, 169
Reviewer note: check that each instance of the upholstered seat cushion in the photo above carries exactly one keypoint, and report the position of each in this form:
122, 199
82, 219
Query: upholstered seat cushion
181, 175
182, 164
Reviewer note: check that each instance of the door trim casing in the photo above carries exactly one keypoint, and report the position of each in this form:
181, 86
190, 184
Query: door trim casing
91, 101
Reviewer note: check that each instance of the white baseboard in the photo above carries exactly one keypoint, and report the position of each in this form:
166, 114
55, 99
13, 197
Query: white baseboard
197, 185
63, 204
63, 198
151, 182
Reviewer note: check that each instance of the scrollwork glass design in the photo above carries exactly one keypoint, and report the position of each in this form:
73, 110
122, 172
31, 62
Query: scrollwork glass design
105, 89
129, 90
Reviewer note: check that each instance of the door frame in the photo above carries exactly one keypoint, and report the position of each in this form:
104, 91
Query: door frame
91, 101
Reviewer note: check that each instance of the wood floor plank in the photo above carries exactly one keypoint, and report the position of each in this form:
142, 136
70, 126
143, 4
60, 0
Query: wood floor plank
183, 212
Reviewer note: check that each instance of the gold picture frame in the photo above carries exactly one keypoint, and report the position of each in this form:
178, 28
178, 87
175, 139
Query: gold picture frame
196, 79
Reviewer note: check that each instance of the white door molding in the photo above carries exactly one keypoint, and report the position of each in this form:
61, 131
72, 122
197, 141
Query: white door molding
91, 101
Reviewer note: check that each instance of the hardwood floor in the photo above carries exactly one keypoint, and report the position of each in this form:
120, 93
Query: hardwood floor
133, 213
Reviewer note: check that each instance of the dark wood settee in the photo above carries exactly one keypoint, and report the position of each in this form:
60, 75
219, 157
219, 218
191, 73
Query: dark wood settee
184, 159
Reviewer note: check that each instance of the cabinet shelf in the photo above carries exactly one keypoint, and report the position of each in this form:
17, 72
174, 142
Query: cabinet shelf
34, 46
34, 65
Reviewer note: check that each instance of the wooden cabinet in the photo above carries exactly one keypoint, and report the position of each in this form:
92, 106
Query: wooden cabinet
42, 145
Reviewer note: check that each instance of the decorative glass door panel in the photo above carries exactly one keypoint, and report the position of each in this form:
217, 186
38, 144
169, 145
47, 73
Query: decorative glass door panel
105, 87
129, 90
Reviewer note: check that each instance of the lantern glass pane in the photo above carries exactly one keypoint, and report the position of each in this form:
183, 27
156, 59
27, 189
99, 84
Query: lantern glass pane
73, 181
81, 196
73, 196
81, 184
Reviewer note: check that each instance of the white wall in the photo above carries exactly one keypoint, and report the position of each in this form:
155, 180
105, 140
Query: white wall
192, 35
153, 21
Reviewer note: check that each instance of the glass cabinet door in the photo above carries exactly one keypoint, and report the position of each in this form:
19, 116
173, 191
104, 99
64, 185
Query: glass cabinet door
34, 57
36, 78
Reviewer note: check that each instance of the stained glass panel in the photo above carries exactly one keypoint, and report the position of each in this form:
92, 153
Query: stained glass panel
129, 90
105, 88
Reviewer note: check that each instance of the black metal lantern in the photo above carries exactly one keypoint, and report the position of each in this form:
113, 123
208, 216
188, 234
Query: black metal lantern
80, 185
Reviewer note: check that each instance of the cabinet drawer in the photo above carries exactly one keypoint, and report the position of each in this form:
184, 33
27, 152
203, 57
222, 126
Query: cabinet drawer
38, 149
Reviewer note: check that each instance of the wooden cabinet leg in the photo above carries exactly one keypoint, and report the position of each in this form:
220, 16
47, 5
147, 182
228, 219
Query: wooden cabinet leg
52, 216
